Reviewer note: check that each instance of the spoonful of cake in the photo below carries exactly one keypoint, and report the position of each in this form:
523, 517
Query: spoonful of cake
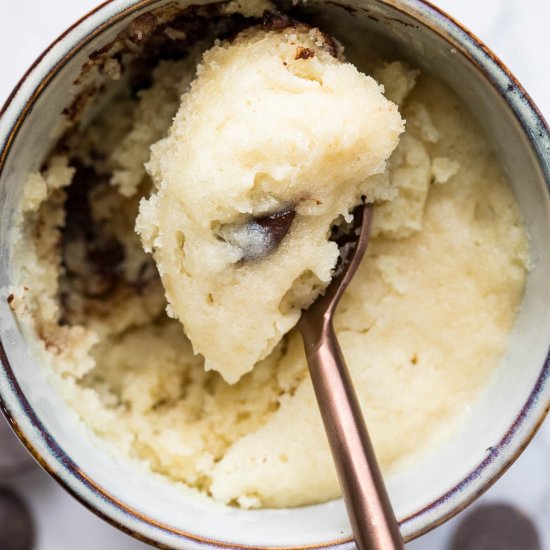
276, 141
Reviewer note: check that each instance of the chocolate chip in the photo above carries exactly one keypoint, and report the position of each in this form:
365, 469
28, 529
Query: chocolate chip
259, 236
263, 235
304, 53
17, 531
496, 527
14, 458
275, 225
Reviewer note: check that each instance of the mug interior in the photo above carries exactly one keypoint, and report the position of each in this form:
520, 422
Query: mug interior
499, 424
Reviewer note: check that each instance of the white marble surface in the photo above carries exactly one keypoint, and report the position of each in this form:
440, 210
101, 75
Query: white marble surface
517, 30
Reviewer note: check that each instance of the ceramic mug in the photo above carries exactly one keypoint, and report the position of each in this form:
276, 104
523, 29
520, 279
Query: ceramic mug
498, 428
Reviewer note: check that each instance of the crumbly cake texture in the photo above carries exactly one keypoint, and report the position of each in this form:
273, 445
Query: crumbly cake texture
274, 121
422, 326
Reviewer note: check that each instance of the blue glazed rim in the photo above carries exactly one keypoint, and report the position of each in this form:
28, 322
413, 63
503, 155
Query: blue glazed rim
14, 403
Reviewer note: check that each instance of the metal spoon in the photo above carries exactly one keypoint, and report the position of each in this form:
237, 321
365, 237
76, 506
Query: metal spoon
370, 512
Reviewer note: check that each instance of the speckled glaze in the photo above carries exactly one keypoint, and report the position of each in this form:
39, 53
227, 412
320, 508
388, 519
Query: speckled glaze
501, 426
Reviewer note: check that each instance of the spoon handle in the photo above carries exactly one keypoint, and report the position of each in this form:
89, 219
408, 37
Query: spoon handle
371, 515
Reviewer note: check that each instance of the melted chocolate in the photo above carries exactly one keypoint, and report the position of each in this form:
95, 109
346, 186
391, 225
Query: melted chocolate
276, 226
259, 236
99, 267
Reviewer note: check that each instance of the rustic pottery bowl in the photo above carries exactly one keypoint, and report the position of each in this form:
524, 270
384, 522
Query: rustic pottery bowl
499, 426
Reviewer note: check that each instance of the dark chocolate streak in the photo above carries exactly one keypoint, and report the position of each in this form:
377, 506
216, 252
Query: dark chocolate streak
103, 257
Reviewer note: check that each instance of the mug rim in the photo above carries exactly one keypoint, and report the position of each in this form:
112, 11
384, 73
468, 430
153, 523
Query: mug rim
479, 480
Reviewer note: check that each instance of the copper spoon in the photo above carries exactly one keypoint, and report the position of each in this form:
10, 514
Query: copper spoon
369, 509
